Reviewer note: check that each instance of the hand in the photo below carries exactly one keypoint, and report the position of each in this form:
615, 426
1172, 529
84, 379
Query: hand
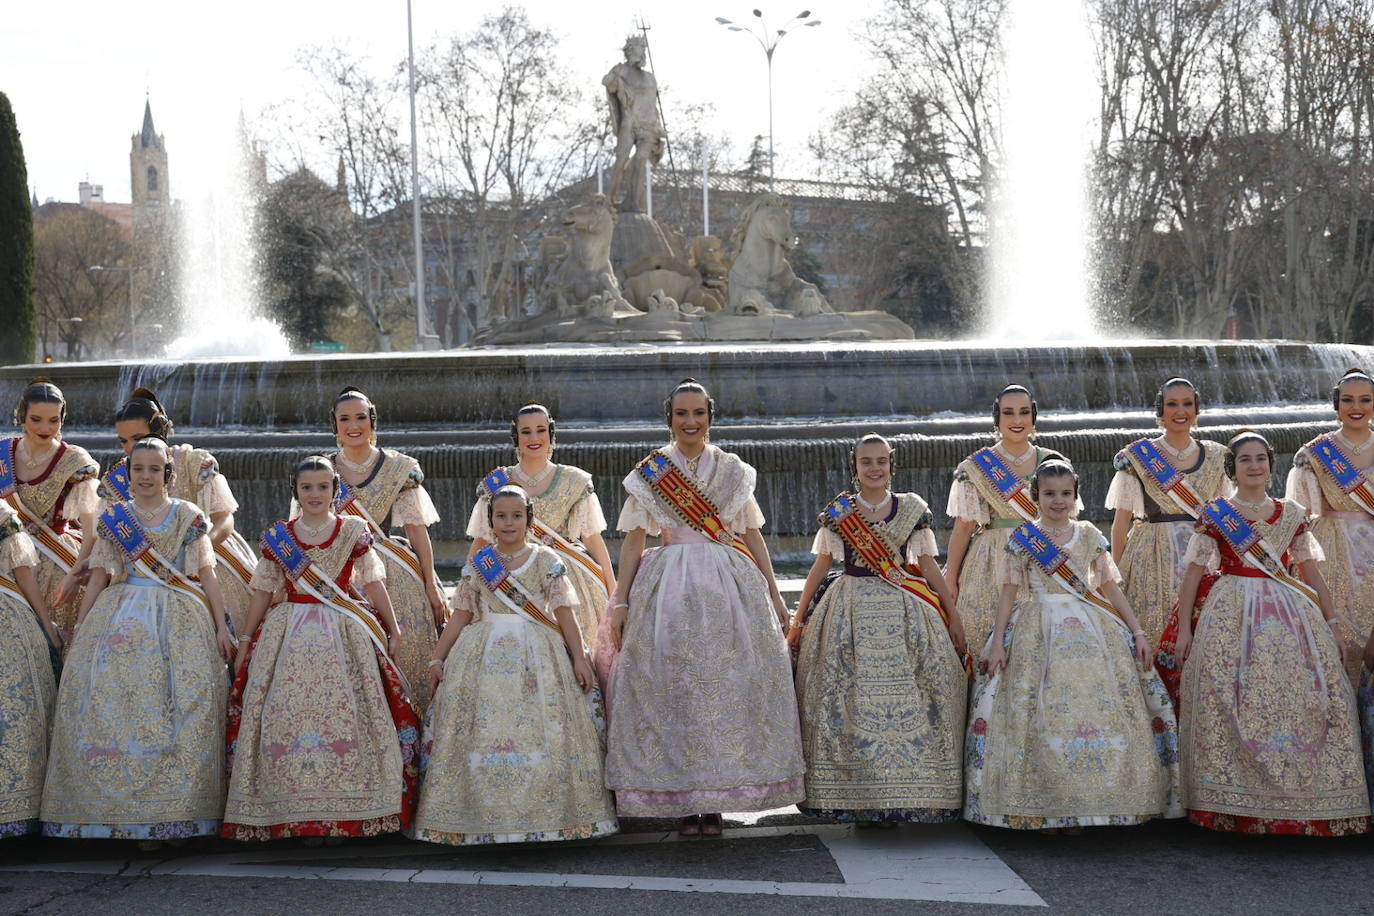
67, 587
436, 675
957, 635
794, 636
952, 583
1183, 646
615, 621
780, 608
55, 637
1342, 646
241, 656
1144, 652
391, 643
582, 670
995, 660
224, 642
436, 603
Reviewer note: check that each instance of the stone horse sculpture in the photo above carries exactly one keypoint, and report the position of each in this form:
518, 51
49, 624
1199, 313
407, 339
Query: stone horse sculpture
761, 280
584, 276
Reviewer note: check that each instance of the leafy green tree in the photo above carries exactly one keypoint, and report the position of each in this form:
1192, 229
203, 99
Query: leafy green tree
18, 333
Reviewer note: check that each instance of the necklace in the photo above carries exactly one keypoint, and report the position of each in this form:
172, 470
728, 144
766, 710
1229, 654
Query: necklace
537, 478
1353, 448
32, 460
149, 514
510, 557
1057, 532
1261, 505
692, 463
312, 531
1014, 459
358, 467
1177, 452
874, 507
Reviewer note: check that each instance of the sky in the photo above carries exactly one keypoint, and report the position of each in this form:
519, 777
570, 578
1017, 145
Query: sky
77, 73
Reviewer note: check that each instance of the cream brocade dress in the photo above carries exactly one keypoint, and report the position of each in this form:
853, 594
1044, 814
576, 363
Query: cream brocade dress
1152, 564
1345, 532
1071, 733
63, 492
1269, 737
137, 741
703, 711
395, 488
570, 507
881, 690
27, 690
972, 498
515, 752
199, 481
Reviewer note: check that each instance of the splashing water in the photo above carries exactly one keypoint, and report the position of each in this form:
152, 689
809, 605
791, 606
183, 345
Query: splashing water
1041, 216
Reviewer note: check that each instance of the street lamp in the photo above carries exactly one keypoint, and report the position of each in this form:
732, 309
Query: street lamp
768, 41
425, 339
133, 327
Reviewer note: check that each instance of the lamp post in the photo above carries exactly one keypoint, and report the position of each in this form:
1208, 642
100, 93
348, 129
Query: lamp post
768, 41
133, 326
424, 338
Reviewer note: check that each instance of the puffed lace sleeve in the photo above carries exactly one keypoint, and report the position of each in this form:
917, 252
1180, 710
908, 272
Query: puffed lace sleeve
1011, 569
633, 515
1303, 487
1103, 569
1305, 547
105, 555
964, 501
586, 518
17, 551
922, 540
368, 567
82, 499
1126, 493
477, 522
414, 507
1203, 550
751, 516
215, 497
465, 595
267, 576
200, 552
829, 543
558, 588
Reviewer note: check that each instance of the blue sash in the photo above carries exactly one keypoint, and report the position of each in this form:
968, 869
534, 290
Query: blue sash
495, 481
1342, 472
279, 545
1032, 541
1173, 482
496, 577
121, 527
1245, 539
1008, 486
116, 482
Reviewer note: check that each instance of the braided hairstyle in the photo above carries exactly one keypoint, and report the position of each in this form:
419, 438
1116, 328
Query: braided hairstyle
352, 393
692, 385
1176, 382
40, 390
525, 411
144, 405
1052, 467
515, 490
154, 442
997, 404
313, 463
869, 439
1239, 439
1351, 375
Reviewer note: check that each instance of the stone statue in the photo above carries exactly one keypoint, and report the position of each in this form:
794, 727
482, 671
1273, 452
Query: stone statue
583, 279
761, 280
632, 93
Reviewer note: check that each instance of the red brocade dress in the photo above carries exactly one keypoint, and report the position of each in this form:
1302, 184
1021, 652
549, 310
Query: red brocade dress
1269, 740
322, 736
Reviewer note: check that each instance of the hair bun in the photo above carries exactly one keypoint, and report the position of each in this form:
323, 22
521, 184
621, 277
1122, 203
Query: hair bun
145, 393
41, 380
1355, 370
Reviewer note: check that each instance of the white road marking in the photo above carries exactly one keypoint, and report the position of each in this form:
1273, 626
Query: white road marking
944, 863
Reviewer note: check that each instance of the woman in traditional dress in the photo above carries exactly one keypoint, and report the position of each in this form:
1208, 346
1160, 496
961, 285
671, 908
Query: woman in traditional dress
27, 685
567, 514
704, 715
136, 739
514, 751
197, 480
322, 737
987, 501
880, 682
1069, 725
384, 488
1330, 478
52, 485
1150, 551
1268, 733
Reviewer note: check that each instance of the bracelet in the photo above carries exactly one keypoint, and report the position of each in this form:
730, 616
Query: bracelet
614, 606
1138, 633
436, 663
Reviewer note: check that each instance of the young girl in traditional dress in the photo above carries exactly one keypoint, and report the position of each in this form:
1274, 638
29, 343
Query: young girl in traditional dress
1330, 478
136, 739
880, 682
27, 685
514, 751
567, 514
1268, 733
197, 480
1069, 726
322, 736
52, 485
703, 712
1152, 524
384, 488
987, 501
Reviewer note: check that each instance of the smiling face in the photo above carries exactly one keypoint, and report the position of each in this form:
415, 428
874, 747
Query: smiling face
1355, 404
129, 432
532, 435
1014, 418
1180, 408
315, 491
353, 423
873, 465
689, 418
42, 421
1058, 495
509, 521
1252, 464
148, 471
